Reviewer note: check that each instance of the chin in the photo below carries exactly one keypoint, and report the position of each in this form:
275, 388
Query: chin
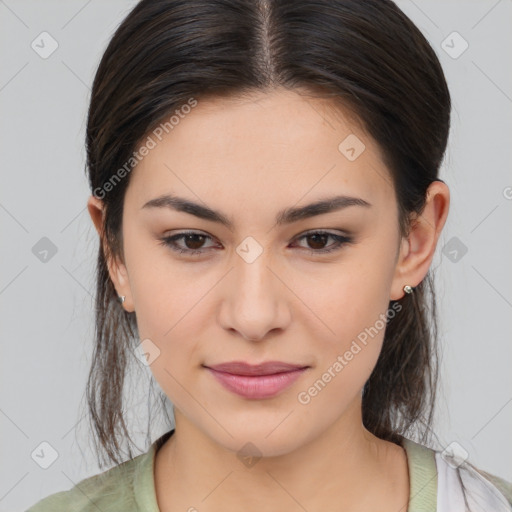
257, 441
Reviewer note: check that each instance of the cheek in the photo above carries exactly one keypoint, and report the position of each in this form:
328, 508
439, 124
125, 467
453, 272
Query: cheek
174, 334
349, 297
346, 353
351, 302
175, 310
165, 292
167, 302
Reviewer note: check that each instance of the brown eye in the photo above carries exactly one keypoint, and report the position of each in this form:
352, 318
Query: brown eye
317, 239
192, 243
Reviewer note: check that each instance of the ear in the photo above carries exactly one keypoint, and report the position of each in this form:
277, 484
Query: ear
116, 268
417, 250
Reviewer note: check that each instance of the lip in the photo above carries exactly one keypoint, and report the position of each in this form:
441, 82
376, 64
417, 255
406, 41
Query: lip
257, 381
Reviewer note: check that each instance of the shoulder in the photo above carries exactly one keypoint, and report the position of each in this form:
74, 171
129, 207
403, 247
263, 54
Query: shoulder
479, 488
453, 480
504, 486
110, 490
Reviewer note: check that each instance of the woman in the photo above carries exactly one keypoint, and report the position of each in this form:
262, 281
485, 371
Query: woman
265, 187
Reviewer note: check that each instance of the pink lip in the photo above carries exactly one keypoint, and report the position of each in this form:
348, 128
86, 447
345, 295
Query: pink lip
259, 381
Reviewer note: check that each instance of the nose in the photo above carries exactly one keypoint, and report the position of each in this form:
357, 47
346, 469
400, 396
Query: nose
255, 300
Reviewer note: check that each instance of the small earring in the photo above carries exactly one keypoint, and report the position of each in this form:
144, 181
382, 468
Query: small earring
407, 289
122, 298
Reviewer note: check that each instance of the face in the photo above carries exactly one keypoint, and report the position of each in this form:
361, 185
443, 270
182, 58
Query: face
268, 284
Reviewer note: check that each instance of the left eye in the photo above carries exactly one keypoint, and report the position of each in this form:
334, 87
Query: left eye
320, 237
194, 241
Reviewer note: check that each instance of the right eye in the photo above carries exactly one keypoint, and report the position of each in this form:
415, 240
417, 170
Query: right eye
192, 240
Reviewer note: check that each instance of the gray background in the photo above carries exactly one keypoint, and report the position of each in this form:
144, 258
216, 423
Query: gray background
47, 307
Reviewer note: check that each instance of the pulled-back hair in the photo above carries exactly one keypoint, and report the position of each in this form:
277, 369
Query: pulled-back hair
365, 56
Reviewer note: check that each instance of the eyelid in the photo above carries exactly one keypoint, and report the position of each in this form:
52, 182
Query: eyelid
324, 231
340, 241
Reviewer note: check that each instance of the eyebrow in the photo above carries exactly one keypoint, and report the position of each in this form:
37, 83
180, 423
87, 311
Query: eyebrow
286, 216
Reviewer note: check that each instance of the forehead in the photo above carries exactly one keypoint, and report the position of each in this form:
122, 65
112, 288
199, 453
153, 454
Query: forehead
262, 149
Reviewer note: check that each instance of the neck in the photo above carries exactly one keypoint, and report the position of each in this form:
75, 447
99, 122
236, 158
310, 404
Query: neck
345, 464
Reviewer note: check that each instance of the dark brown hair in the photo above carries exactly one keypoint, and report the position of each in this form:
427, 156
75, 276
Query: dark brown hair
363, 54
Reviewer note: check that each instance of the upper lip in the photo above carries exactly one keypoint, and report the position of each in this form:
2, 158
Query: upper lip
266, 368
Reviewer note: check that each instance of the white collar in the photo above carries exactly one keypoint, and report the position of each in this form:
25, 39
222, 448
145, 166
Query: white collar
458, 484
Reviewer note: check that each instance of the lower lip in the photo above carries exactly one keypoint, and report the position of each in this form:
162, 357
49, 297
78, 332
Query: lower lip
257, 387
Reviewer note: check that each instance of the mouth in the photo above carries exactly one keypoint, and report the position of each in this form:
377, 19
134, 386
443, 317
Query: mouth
259, 381
266, 368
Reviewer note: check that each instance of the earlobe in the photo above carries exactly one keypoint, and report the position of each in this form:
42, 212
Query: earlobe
417, 251
117, 270
119, 276
400, 277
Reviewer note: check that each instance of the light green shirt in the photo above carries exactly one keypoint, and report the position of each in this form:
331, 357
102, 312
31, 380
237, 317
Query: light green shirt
130, 486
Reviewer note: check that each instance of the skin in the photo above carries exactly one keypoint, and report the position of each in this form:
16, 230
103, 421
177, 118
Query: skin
249, 158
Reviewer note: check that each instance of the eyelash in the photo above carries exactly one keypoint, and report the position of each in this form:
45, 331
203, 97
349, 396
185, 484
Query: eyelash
169, 241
